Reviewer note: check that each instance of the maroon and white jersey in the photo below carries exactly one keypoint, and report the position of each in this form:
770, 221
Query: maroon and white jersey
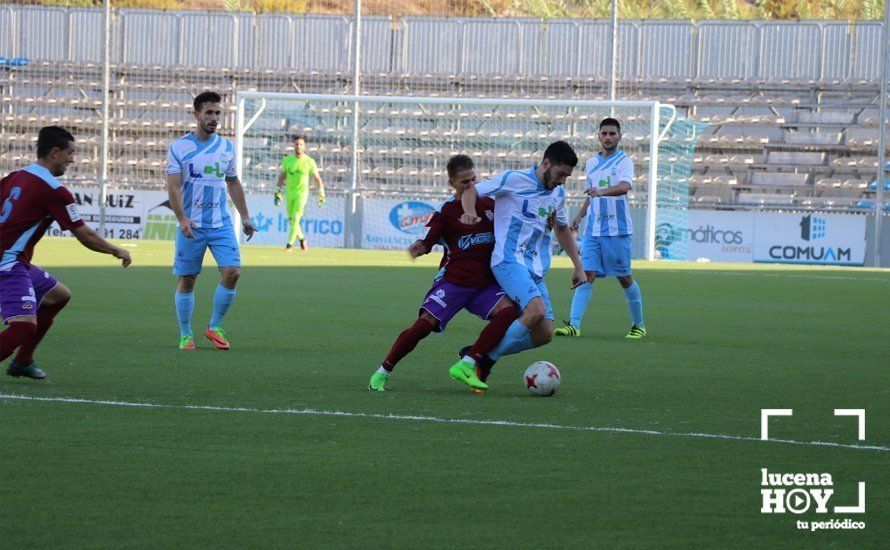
467, 258
30, 199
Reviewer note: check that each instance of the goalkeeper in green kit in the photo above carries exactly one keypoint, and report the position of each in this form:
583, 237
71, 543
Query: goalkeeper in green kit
295, 170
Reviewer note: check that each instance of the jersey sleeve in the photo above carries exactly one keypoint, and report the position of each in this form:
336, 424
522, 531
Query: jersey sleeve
495, 187
174, 166
61, 206
561, 219
626, 171
232, 168
313, 168
435, 228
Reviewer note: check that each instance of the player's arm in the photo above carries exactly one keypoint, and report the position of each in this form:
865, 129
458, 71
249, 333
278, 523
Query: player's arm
61, 206
576, 223
320, 185
468, 202
174, 194
282, 175
435, 227
94, 242
236, 192
568, 243
614, 191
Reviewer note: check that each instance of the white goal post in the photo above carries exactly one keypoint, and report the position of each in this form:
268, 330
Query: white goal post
388, 145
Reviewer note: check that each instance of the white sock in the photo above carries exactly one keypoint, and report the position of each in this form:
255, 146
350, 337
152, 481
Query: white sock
382, 370
468, 359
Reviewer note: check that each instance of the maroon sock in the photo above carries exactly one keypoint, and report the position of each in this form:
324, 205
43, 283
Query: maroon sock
45, 316
14, 336
406, 342
493, 332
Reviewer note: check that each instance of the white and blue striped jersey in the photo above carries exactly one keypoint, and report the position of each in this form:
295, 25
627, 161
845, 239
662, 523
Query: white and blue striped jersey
205, 166
522, 206
609, 216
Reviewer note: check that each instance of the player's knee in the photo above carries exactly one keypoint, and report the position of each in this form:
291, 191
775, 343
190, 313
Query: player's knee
542, 338
534, 313
625, 282
230, 276
187, 283
60, 294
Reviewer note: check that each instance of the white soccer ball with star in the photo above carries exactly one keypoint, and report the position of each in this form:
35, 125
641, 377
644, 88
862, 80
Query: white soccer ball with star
542, 378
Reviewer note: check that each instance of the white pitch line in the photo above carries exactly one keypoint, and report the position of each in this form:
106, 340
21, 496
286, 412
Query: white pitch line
506, 423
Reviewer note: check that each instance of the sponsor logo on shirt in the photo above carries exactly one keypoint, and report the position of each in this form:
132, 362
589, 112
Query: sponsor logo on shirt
73, 214
467, 241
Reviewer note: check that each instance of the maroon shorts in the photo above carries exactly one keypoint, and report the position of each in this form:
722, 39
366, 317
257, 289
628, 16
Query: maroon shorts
445, 299
22, 288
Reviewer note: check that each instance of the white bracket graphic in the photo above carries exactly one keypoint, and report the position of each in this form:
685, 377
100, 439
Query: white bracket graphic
764, 419
858, 509
854, 412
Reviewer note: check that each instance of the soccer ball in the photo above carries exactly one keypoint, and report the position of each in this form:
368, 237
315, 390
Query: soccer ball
542, 378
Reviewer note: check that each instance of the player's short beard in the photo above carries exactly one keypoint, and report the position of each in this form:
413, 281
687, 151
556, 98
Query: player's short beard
547, 179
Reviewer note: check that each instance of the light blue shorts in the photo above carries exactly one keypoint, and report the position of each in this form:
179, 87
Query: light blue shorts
189, 253
521, 285
607, 256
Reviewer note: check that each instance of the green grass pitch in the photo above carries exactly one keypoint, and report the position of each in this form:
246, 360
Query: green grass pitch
448, 469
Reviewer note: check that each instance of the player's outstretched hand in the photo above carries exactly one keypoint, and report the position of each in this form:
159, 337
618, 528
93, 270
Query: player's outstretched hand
248, 228
417, 249
185, 226
578, 278
576, 223
123, 256
321, 201
469, 219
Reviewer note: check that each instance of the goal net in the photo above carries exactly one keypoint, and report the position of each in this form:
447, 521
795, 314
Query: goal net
383, 159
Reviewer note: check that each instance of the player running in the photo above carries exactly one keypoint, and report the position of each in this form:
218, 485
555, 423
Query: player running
200, 168
296, 169
528, 205
464, 281
30, 199
606, 246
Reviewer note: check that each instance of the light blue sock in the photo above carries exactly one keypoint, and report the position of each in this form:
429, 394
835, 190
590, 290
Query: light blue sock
222, 299
185, 305
579, 303
515, 339
634, 303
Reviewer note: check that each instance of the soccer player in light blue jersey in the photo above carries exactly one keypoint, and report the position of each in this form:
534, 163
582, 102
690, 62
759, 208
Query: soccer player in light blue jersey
200, 177
529, 204
605, 250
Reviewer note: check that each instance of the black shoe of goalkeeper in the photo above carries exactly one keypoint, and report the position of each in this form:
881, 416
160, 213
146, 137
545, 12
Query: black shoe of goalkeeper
30, 371
483, 366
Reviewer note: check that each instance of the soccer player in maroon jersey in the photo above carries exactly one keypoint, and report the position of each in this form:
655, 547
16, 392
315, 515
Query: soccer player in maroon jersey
464, 281
30, 199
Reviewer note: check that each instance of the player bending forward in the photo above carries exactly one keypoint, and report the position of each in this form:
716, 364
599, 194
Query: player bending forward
464, 281
528, 205
30, 199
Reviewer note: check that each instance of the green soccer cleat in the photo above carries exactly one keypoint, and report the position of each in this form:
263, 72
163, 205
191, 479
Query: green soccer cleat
187, 343
568, 330
466, 373
378, 381
636, 332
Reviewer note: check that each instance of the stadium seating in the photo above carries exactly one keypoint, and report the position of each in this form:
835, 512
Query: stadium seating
767, 143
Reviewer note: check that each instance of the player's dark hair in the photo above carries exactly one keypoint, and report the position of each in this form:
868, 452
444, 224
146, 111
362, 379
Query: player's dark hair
609, 121
458, 163
51, 137
206, 97
300, 136
560, 152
